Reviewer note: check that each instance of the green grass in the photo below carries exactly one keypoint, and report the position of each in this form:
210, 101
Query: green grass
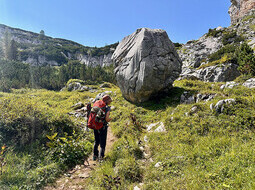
27, 116
252, 26
202, 150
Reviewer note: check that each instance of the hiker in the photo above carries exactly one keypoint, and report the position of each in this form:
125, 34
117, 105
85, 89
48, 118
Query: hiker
101, 111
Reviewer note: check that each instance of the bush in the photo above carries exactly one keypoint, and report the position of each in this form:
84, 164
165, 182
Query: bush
228, 49
246, 59
230, 37
213, 32
69, 150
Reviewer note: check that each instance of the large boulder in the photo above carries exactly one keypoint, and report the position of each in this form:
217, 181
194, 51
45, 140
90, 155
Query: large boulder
146, 63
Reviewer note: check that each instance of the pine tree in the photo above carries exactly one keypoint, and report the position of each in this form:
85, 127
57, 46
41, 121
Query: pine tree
83, 72
42, 35
12, 51
6, 44
246, 59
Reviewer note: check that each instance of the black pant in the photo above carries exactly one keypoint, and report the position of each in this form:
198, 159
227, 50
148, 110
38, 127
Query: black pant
100, 139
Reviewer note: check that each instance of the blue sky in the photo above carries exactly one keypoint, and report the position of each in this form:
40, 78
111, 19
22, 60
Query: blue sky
102, 22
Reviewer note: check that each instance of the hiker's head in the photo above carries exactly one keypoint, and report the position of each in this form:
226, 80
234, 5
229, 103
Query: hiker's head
107, 99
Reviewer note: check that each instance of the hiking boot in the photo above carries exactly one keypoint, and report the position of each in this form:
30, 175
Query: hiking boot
94, 158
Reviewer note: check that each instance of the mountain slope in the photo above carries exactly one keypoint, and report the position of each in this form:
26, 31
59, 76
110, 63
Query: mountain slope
38, 49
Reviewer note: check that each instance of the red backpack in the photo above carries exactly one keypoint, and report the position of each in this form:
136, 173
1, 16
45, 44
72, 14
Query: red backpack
97, 115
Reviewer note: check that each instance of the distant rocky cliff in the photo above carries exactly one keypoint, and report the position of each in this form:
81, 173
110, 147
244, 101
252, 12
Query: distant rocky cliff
241, 8
44, 50
198, 56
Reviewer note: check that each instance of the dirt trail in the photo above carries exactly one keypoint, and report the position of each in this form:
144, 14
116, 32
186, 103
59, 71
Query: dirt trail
76, 179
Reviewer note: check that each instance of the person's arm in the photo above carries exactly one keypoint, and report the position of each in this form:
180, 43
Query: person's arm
107, 117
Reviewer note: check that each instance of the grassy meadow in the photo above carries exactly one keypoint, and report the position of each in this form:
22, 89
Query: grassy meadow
200, 149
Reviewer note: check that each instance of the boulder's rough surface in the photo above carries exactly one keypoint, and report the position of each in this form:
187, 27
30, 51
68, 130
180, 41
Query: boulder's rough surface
146, 63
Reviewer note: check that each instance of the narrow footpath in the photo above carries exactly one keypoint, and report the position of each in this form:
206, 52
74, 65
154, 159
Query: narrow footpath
75, 179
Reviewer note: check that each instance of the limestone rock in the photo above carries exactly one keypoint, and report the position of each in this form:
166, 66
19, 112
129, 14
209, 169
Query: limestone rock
219, 107
77, 86
223, 73
240, 8
146, 63
204, 97
187, 98
161, 128
136, 188
78, 105
101, 95
249, 83
158, 164
231, 84
105, 85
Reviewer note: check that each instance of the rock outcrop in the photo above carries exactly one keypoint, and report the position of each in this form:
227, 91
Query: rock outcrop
146, 63
217, 73
240, 8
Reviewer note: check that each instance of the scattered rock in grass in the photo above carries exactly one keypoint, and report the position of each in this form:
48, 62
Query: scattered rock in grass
231, 84
146, 139
193, 110
186, 98
136, 188
204, 97
83, 175
211, 106
113, 108
219, 107
149, 127
160, 128
157, 165
77, 86
100, 95
105, 85
249, 83
108, 92
78, 105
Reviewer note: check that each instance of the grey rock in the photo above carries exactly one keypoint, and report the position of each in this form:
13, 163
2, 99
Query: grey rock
194, 109
204, 97
231, 84
151, 126
161, 128
249, 83
158, 164
146, 63
219, 107
239, 9
77, 86
146, 139
226, 72
78, 105
101, 95
187, 98
211, 106
105, 85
